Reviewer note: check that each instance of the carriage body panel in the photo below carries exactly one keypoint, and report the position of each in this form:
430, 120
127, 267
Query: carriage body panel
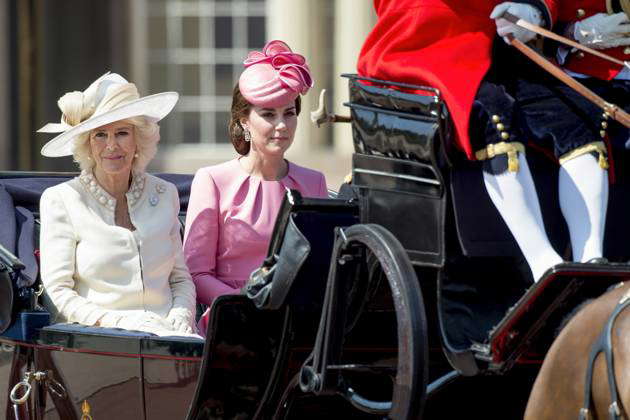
118, 374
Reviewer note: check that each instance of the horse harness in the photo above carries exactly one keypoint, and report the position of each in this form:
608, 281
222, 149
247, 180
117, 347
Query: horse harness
603, 344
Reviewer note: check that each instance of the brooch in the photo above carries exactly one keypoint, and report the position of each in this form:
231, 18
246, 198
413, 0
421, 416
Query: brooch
153, 200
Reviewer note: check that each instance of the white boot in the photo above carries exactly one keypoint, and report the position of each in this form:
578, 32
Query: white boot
514, 195
583, 188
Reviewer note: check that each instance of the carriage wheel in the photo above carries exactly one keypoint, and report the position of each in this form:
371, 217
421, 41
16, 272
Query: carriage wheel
324, 373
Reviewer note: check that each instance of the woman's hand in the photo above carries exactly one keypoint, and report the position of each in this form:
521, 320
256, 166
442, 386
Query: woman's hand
180, 320
602, 31
520, 10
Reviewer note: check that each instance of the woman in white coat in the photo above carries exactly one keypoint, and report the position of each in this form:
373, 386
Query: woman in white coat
111, 251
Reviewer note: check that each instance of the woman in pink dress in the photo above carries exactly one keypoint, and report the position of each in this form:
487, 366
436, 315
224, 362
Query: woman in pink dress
233, 205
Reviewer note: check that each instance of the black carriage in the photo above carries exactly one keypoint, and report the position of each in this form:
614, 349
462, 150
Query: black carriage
383, 300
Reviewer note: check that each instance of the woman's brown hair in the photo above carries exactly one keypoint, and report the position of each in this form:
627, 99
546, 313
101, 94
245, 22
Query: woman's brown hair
240, 109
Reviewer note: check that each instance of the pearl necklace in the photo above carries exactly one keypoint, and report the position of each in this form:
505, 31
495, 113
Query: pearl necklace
89, 182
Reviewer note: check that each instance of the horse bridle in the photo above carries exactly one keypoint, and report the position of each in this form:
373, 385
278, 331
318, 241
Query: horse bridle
603, 344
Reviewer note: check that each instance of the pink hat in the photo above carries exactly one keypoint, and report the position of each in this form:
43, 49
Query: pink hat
275, 76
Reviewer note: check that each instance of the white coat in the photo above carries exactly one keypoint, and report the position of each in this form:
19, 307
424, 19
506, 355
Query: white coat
90, 266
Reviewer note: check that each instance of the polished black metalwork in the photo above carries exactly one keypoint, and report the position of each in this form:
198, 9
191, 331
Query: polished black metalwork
395, 123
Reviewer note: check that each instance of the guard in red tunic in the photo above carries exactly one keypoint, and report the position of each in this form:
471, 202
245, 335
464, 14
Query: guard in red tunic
598, 24
500, 102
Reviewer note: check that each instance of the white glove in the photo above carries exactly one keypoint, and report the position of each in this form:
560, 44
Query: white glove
144, 321
523, 11
602, 31
180, 320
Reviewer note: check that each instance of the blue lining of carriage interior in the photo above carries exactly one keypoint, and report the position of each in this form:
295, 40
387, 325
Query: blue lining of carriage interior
26, 325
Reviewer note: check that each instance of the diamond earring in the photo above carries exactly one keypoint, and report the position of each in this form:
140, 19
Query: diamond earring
248, 135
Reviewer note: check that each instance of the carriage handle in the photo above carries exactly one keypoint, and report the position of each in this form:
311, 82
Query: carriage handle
322, 116
14, 392
25, 384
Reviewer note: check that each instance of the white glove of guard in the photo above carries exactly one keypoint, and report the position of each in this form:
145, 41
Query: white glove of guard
522, 11
602, 31
143, 321
180, 320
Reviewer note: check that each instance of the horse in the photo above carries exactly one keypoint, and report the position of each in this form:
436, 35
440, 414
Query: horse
563, 388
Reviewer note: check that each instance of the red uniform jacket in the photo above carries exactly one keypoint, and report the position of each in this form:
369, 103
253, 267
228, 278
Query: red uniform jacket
445, 44
574, 10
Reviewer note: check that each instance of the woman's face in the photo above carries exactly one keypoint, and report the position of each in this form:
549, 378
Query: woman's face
272, 129
113, 147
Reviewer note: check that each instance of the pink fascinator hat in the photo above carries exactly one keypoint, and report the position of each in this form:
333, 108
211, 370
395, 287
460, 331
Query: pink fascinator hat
274, 76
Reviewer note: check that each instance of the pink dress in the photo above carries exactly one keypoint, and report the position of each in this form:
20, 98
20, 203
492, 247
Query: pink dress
229, 222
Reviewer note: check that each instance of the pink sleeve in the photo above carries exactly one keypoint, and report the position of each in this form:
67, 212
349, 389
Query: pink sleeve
201, 238
323, 188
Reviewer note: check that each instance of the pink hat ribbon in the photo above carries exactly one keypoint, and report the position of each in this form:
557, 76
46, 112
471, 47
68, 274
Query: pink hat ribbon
274, 74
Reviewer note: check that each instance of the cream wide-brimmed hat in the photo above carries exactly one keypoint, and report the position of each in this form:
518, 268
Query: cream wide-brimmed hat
109, 99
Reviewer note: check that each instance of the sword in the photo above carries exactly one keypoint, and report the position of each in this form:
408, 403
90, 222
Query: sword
566, 41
